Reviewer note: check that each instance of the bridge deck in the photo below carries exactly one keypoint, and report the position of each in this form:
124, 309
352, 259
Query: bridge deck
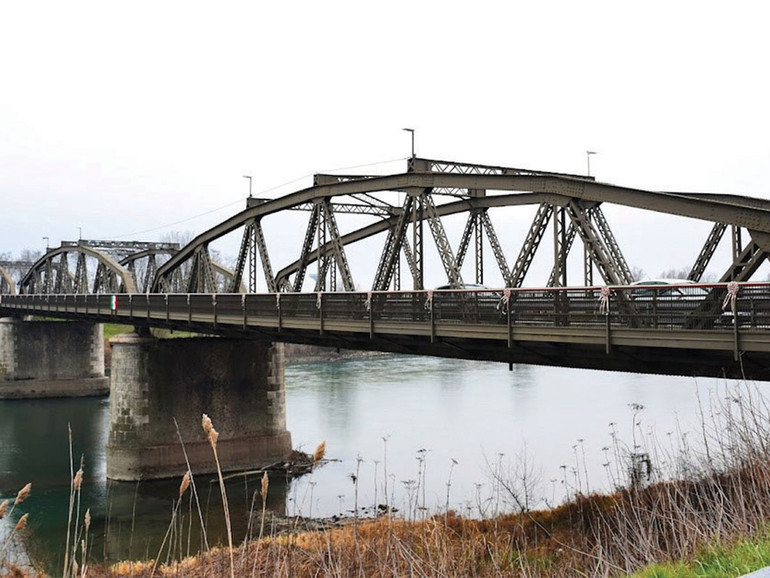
573, 327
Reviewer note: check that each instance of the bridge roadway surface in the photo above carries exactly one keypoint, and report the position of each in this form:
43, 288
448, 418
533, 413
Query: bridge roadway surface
569, 327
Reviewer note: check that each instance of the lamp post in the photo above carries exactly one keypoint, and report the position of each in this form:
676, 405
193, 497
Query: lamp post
588, 161
248, 177
410, 130
80, 233
46, 239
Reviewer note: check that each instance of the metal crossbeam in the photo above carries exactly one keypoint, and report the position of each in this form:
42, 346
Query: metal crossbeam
707, 252
435, 166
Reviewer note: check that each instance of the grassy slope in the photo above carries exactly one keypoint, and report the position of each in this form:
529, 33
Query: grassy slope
743, 556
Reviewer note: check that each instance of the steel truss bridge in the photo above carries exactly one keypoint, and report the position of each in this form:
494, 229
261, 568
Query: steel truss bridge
719, 330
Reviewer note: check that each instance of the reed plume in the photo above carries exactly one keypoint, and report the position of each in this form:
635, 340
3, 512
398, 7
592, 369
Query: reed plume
21, 523
23, 493
213, 435
320, 452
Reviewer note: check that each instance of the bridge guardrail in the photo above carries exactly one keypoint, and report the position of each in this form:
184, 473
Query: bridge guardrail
675, 307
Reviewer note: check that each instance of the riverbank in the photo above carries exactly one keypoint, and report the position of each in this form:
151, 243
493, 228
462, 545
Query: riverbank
716, 521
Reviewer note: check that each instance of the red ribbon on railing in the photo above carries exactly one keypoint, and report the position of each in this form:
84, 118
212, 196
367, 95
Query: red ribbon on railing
604, 300
732, 295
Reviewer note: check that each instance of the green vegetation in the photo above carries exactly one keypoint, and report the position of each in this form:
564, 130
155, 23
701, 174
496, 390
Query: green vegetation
717, 561
113, 329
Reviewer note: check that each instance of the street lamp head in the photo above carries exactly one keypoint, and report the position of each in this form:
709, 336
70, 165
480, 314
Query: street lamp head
411, 131
591, 152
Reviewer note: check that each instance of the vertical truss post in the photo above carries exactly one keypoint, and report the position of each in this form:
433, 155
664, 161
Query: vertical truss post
253, 258
568, 247
560, 247
417, 241
322, 261
737, 242
479, 239
588, 266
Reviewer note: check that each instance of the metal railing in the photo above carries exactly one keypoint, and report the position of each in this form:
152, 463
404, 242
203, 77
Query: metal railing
718, 307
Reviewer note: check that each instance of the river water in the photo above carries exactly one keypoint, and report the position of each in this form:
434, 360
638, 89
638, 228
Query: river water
415, 433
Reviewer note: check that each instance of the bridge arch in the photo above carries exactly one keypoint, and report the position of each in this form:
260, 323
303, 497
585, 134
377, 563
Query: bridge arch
52, 273
571, 203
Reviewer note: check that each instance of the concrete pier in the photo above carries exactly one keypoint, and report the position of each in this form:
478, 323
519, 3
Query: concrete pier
51, 359
238, 383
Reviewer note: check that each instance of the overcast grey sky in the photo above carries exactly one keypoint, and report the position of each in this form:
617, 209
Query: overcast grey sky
129, 119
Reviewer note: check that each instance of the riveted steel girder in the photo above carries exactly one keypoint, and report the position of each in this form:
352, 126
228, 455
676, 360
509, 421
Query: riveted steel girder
570, 239
599, 253
442, 242
621, 265
340, 259
707, 251
392, 249
304, 258
531, 243
497, 248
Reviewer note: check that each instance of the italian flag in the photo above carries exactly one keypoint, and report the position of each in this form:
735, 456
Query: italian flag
114, 303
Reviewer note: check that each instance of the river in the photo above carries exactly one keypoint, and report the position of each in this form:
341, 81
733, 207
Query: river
415, 433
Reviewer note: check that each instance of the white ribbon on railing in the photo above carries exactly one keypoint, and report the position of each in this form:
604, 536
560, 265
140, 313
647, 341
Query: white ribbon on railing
277, 300
318, 300
505, 299
604, 300
368, 300
429, 299
732, 295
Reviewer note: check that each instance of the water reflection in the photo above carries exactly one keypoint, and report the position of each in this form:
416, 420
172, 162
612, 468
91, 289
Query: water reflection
376, 415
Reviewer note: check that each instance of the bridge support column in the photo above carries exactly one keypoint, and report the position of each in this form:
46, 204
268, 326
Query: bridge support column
238, 383
41, 359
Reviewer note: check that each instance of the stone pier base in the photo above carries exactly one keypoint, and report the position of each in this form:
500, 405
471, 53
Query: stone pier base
159, 383
51, 359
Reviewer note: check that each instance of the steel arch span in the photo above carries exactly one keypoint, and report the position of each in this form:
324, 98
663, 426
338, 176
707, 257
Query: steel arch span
96, 266
432, 191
